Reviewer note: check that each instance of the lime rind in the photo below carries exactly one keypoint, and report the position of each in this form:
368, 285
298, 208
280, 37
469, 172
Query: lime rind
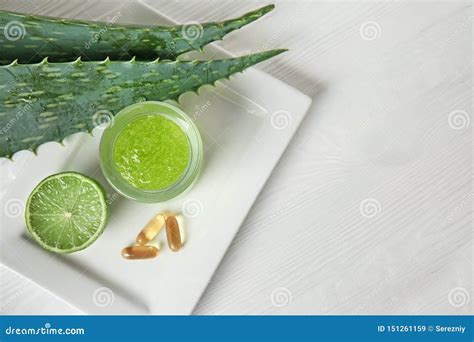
102, 207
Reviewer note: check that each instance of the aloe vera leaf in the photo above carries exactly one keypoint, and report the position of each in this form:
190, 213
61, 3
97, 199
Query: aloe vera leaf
49, 101
29, 38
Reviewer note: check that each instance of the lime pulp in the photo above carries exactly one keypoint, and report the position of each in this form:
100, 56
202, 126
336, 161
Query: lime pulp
66, 212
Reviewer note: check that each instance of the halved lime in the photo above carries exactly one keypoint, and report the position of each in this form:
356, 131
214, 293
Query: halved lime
66, 212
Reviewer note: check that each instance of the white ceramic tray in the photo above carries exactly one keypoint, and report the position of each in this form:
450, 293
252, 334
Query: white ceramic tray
246, 124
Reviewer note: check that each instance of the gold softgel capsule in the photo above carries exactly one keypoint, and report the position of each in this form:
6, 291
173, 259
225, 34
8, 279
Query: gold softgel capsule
140, 252
152, 228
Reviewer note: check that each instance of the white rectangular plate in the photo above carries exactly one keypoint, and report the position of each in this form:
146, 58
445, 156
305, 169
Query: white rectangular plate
246, 124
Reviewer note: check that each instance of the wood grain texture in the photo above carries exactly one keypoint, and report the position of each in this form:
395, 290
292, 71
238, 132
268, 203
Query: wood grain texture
370, 209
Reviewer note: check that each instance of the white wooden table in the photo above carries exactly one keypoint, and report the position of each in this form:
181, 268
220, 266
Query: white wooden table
370, 209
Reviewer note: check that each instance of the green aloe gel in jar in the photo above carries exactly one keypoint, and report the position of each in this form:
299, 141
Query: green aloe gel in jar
152, 152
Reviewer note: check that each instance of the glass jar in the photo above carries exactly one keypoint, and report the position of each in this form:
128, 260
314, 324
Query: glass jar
122, 120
